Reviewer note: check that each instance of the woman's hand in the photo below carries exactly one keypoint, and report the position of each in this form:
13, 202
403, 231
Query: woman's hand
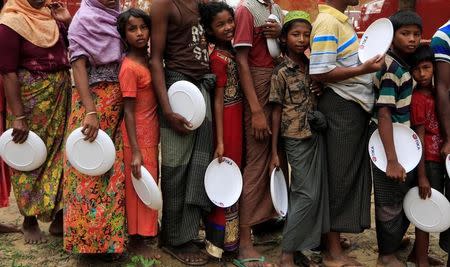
20, 130
220, 150
60, 12
136, 163
90, 127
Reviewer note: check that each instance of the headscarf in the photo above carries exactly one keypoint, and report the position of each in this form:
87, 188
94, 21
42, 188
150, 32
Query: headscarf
93, 33
297, 14
35, 25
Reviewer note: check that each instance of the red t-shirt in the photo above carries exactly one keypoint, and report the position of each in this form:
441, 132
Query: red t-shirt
247, 33
423, 112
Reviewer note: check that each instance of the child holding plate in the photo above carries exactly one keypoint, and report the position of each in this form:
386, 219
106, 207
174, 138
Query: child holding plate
217, 18
141, 128
393, 89
431, 169
295, 117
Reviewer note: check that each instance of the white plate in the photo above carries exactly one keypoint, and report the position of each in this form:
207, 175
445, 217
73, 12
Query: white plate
278, 191
27, 156
376, 40
186, 99
430, 215
90, 158
223, 182
407, 145
447, 164
272, 44
147, 189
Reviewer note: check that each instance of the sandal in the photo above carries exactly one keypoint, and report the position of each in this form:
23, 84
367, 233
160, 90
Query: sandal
242, 262
178, 254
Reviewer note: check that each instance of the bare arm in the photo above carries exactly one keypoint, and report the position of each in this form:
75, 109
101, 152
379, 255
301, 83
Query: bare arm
423, 182
14, 102
442, 77
160, 14
218, 115
276, 123
259, 121
90, 122
393, 170
130, 124
341, 73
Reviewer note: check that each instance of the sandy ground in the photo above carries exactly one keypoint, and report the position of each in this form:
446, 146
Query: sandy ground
13, 251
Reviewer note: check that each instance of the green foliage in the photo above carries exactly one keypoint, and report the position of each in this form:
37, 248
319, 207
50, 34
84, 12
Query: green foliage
141, 261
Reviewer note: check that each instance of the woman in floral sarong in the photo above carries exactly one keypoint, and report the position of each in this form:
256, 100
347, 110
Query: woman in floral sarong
37, 85
94, 214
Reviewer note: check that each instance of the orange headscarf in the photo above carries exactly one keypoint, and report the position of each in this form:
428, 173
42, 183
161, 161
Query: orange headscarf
35, 25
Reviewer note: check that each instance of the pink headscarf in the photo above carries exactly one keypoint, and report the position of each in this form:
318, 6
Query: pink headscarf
93, 33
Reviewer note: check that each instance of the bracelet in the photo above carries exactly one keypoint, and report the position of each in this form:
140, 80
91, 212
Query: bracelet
91, 113
20, 118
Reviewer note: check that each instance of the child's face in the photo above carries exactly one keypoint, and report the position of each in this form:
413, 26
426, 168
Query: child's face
137, 32
407, 39
423, 73
297, 39
223, 26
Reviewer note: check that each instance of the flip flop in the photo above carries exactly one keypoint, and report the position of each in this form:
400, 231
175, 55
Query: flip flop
176, 256
242, 262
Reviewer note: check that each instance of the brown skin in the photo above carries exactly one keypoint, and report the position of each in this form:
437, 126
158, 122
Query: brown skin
164, 12
442, 79
30, 226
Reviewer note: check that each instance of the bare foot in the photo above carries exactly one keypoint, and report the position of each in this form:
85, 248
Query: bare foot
188, 254
141, 246
56, 227
432, 260
345, 242
6, 229
389, 261
339, 261
250, 252
31, 231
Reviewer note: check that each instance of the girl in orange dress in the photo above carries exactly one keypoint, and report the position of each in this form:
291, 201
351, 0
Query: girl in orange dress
141, 128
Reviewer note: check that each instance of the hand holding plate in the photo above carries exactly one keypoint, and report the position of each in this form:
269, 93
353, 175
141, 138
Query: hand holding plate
90, 127
395, 171
424, 187
20, 130
219, 152
178, 123
136, 163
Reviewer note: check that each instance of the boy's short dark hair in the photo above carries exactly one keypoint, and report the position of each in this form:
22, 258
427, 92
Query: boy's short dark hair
405, 18
207, 13
423, 53
125, 16
287, 27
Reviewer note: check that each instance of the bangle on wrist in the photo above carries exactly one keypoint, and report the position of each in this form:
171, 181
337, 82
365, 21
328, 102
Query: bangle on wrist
91, 113
18, 118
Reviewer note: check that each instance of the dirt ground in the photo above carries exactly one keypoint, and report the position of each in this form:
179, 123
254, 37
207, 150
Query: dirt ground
13, 251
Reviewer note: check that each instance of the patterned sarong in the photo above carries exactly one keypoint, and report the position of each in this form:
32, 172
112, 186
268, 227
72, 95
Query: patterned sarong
46, 100
184, 162
94, 210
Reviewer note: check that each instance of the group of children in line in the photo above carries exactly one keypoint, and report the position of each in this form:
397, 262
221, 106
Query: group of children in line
315, 110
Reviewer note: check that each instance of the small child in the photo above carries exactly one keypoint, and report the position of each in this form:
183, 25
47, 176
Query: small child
217, 18
393, 87
141, 128
294, 111
431, 170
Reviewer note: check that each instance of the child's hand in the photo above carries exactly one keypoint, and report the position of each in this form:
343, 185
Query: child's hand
316, 88
395, 171
445, 149
274, 162
373, 65
424, 187
219, 152
136, 163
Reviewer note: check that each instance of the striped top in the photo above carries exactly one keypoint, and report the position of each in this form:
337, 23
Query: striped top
441, 43
393, 87
335, 44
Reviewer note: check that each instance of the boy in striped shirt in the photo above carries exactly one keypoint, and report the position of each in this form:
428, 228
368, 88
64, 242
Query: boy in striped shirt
393, 87
347, 102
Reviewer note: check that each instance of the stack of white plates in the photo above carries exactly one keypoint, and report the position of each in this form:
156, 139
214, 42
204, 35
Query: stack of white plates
90, 158
407, 146
223, 182
186, 99
27, 156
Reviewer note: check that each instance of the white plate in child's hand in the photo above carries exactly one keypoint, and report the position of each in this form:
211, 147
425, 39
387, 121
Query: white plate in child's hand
279, 192
376, 40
